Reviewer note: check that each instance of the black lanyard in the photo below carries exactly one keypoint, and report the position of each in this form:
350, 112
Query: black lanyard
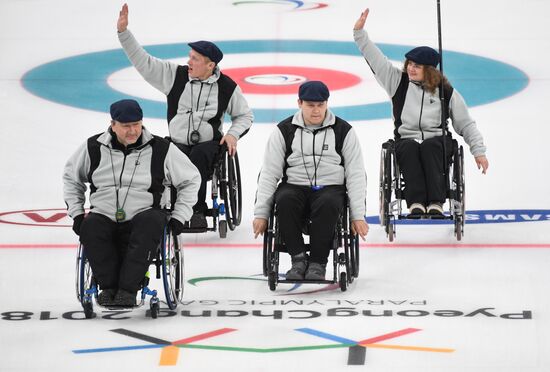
120, 214
313, 182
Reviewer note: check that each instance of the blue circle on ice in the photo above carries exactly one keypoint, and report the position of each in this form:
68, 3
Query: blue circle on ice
81, 81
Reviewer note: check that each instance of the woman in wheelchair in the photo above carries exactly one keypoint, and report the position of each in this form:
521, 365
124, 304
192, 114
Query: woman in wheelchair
127, 168
416, 108
317, 156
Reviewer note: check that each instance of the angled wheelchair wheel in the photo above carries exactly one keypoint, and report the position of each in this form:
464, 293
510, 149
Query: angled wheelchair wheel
460, 192
351, 254
384, 185
270, 254
84, 282
268, 247
354, 249
172, 269
234, 192
387, 170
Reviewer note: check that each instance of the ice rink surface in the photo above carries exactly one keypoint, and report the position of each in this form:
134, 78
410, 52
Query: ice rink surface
422, 303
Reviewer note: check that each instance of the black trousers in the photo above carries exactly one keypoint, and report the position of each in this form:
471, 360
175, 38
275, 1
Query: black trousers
202, 155
422, 168
323, 207
120, 253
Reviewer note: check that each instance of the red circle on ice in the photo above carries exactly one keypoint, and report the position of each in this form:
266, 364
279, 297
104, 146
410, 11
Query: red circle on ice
287, 79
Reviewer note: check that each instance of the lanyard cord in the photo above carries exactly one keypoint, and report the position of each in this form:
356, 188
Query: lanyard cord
315, 166
120, 178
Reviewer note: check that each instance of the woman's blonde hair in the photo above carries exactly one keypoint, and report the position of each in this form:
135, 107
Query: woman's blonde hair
432, 77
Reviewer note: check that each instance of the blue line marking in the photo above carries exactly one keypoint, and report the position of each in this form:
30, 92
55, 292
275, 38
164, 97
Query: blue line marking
121, 348
81, 81
327, 336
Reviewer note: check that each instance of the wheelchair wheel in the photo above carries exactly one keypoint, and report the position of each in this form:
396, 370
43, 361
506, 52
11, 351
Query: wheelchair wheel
343, 282
385, 184
268, 248
354, 244
460, 193
223, 229
84, 282
234, 193
172, 269
390, 231
272, 281
155, 308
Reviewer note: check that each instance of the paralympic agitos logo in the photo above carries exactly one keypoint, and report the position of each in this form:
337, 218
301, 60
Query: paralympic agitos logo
356, 349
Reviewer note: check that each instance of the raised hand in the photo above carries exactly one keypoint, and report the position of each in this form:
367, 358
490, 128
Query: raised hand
360, 24
122, 23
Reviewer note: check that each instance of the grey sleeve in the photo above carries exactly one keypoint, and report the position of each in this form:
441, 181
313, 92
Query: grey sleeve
160, 74
387, 75
270, 174
464, 125
356, 177
74, 181
241, 115
185, 177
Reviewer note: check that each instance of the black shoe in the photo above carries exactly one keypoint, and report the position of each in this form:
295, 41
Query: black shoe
198, 221
417, 209
316, 271
105, 297
435, 209
124, 299
299, 266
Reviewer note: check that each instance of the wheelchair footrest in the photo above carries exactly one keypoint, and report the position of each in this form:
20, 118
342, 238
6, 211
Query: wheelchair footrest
305, 281
195, 231
115, 307
211, 212
425, 217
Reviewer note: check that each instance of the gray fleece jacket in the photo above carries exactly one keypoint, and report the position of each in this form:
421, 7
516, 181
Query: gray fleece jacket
199, 101
421, 116
302, 160
132, 175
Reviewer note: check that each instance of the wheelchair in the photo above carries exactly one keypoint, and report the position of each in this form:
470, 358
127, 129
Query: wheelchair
168, 263
392, 185
226, 192
345, 252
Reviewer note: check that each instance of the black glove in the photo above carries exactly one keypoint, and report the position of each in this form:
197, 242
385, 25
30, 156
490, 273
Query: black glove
77, 221
175, 226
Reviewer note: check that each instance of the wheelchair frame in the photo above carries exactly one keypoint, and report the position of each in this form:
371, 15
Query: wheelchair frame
345, 262
225, 185
168, 261
392, 185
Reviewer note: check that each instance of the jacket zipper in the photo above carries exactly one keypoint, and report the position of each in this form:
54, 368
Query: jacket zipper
420, 118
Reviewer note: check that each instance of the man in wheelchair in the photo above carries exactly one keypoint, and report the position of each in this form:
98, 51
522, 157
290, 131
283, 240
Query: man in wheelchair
198, 97
317, 157
127, 168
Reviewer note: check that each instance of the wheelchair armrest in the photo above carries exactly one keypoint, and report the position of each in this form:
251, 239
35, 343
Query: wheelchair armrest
388, 144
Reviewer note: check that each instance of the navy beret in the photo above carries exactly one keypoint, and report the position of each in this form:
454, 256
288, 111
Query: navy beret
423, 55
315, 91
208, 49
126, 111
